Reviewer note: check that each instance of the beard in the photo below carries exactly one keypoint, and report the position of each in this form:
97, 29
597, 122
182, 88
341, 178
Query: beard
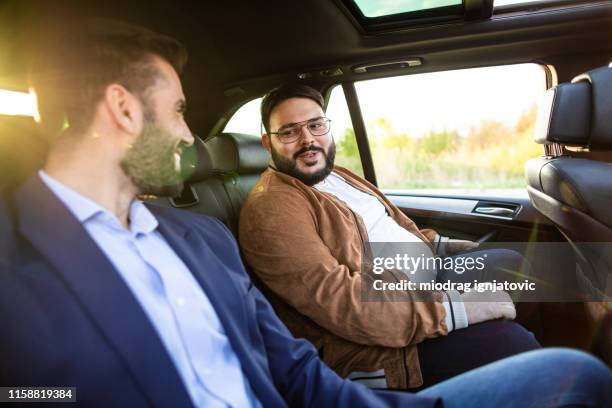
289, 166
150, 162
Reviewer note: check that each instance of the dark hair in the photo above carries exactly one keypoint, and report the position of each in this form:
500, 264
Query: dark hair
284, 92
70, 76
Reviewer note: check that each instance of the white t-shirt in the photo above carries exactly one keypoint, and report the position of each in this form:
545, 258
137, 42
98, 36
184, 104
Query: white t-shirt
380, 226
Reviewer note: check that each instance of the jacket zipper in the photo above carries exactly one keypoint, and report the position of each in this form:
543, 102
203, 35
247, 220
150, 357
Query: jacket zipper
363, 252
363, 246
405, 366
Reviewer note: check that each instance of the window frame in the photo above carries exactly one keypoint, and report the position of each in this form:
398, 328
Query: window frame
223, 122
356, 115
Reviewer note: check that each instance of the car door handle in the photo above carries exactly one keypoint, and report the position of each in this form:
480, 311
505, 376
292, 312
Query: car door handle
504, 212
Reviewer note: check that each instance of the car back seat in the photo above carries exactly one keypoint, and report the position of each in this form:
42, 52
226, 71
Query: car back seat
575, 193
203, 192
227, 167
22, 149
239, 159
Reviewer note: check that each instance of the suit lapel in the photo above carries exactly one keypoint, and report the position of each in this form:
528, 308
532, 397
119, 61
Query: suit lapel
220, 289
227, 298
63, 241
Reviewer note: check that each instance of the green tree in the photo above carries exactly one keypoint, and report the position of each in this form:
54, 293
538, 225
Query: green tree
347, 152
347, 144
437, 143
399, 141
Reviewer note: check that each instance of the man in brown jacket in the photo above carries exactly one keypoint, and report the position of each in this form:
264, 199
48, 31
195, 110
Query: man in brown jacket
305, 230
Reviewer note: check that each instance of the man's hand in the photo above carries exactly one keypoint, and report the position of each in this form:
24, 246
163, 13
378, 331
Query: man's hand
483, 306
457, 245
445, 246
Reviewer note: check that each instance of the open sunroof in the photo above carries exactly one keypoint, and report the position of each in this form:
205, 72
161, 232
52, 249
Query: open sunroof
379, 8
384, 15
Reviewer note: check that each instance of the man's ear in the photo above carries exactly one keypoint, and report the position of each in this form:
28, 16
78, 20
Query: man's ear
125, 109
265, 141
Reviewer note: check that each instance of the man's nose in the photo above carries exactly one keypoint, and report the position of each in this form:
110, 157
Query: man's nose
306, 138
188, 137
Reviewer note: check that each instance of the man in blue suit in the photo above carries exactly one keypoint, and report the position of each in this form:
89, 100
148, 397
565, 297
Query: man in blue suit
136, 305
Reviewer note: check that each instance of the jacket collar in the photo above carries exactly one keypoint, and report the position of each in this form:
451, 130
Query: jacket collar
62, 240
359, 184
85, 209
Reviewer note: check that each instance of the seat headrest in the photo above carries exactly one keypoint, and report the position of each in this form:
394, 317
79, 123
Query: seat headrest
577, 113
600, 80
237, 153
23, 149
196, 162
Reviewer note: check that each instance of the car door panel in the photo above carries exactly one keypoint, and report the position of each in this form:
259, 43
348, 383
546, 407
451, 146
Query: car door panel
458, 217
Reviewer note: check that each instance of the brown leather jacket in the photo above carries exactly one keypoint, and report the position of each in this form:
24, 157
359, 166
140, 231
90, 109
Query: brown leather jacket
306, 246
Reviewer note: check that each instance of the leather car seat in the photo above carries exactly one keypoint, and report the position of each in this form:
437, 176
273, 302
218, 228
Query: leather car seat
576, 193
22, 149
221, 174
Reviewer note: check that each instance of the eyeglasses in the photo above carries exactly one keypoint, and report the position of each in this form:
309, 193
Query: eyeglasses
316, 127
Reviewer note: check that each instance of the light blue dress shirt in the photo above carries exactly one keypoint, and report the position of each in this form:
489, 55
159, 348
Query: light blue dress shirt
175, 303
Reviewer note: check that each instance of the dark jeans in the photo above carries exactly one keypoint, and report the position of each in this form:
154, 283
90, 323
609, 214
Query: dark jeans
544, 378
463, 350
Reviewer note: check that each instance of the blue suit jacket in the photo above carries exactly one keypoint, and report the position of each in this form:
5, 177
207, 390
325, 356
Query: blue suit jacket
68, 319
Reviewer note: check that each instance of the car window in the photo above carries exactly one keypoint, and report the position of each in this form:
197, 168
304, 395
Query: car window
378, 8
347, 153
463, 131
498, 3
17, 103
247, 119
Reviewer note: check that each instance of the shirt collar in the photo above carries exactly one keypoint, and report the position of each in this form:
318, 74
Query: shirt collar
85, 209
332, 174
141, 219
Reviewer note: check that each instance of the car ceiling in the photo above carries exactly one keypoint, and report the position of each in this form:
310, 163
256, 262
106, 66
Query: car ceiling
240, 48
